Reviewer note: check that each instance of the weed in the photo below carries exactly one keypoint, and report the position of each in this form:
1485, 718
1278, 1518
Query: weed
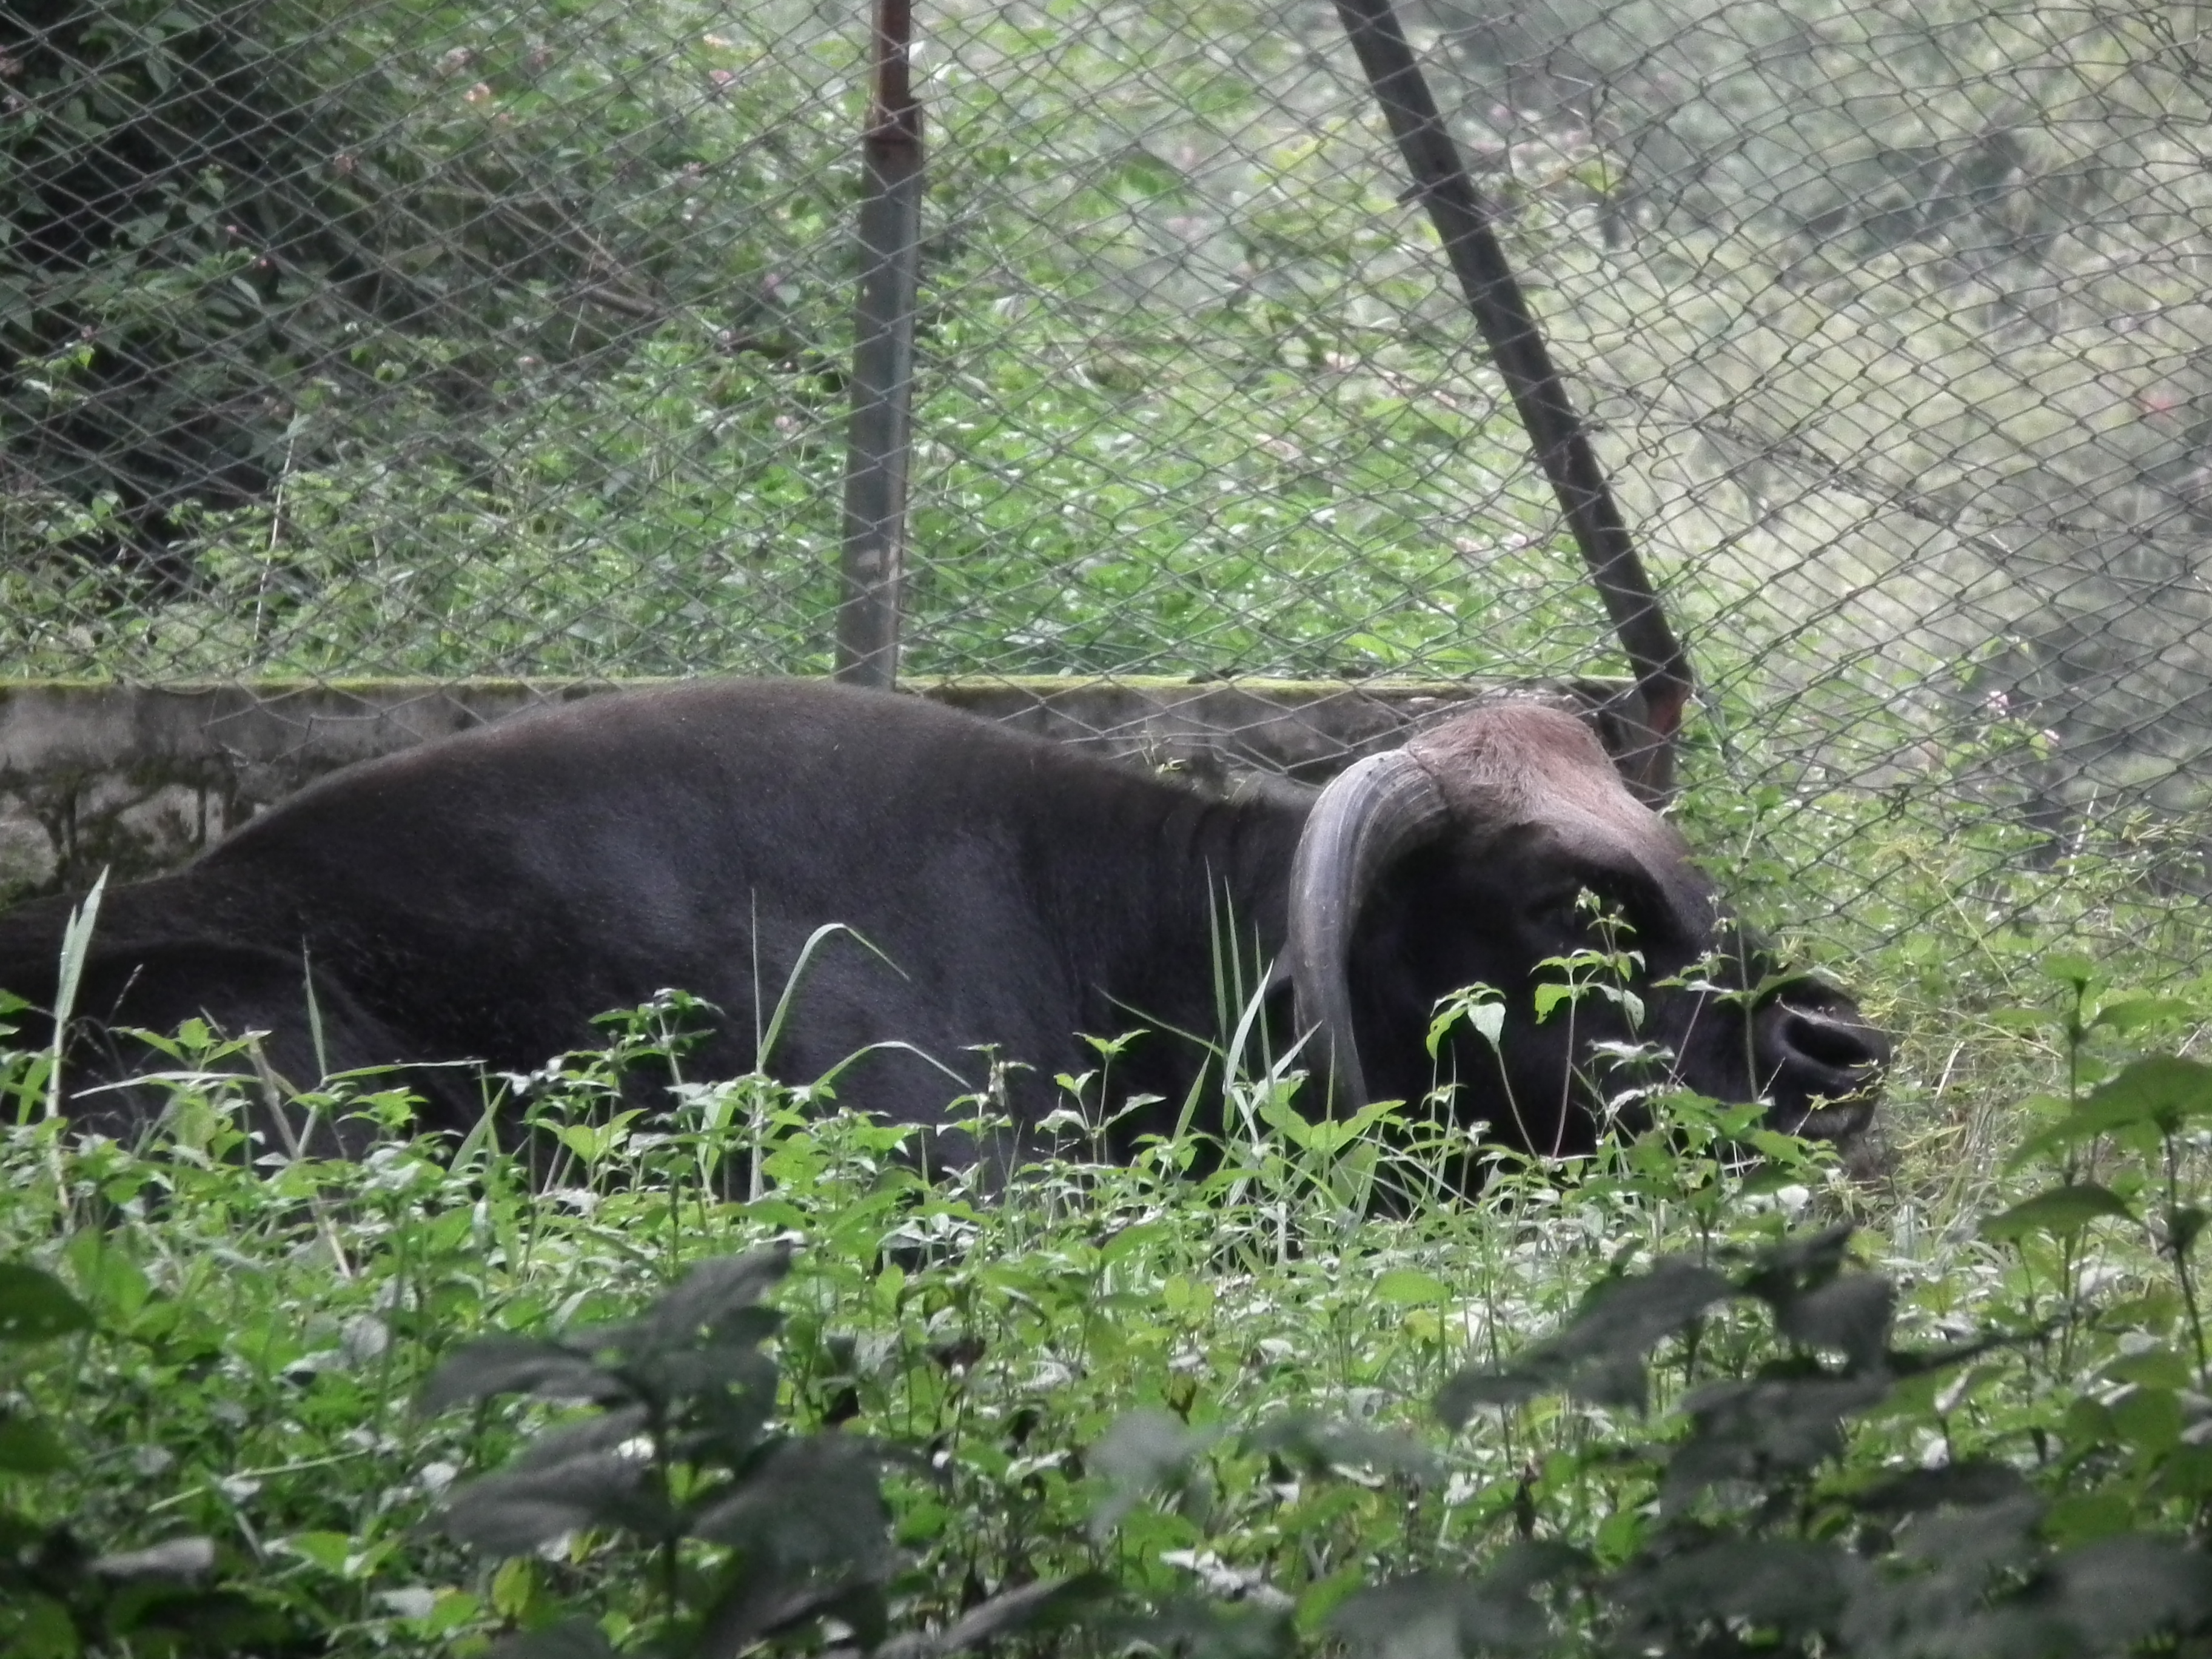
1083, 1403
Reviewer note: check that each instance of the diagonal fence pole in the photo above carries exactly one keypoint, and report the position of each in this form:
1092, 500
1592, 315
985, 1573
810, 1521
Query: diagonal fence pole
878, 439
1661, 665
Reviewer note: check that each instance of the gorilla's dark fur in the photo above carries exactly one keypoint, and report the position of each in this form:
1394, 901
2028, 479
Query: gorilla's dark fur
484, 897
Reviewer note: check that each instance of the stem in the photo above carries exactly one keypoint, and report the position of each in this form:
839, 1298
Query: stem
756, 1127
2178, 1244
2069, 1172
671, 1541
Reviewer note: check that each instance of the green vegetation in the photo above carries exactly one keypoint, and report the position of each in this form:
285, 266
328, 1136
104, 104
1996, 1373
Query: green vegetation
511, 341
1670, 1398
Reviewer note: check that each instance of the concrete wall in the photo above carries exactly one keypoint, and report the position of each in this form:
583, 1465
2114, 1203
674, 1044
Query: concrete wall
138, 779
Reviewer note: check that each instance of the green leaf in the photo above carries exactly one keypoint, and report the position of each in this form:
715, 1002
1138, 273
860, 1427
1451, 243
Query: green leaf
1319, 1444
2148, 1419
1143, 1450
571, 1638
1365, 1120
1287, 1122
2132, 1013
2186, 1473
1851, 1314
2156, 1368
515, 1364
328, 1550
113, 1285
1549, 995
1599, 1356
2079, 1517
34, 1306
2060, 1211
2076, 972
1403, 1288
516, 1510
2162, 1092
27, 1446
589, 1142
2129, 1590
38, 1628
1322, 1598
1480, 1006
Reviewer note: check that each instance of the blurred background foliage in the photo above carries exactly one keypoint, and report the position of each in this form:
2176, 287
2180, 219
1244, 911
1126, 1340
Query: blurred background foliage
426, 339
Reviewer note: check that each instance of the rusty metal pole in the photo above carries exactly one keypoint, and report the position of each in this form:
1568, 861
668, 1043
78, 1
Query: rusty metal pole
1563, 449
880, 436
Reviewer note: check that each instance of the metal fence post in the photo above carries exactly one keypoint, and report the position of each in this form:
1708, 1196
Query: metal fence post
1516, 346
878, 440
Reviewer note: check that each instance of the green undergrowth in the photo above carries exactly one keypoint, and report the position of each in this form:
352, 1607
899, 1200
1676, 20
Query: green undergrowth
744, 1377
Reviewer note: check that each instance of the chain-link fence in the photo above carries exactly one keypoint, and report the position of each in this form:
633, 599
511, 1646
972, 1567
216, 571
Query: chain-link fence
395, 337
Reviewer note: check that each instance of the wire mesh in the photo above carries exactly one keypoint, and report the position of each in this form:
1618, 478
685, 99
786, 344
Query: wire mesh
436, 340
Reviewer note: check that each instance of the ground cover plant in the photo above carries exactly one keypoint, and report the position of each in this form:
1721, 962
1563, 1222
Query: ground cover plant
743, 1377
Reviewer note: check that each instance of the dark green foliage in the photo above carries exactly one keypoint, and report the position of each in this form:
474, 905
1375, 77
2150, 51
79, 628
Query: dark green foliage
2058, 1211
165, 170
1752, 1550
683, 1452
57, 1596
33, 1306
253, 243
413, 338
686, 1395
1599, 1357
1499, 1612
862, 1409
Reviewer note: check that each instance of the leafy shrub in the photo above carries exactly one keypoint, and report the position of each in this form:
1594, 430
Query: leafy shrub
56, 1596
1109, 1404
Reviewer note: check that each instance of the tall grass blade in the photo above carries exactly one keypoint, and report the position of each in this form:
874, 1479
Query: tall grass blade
76, 943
